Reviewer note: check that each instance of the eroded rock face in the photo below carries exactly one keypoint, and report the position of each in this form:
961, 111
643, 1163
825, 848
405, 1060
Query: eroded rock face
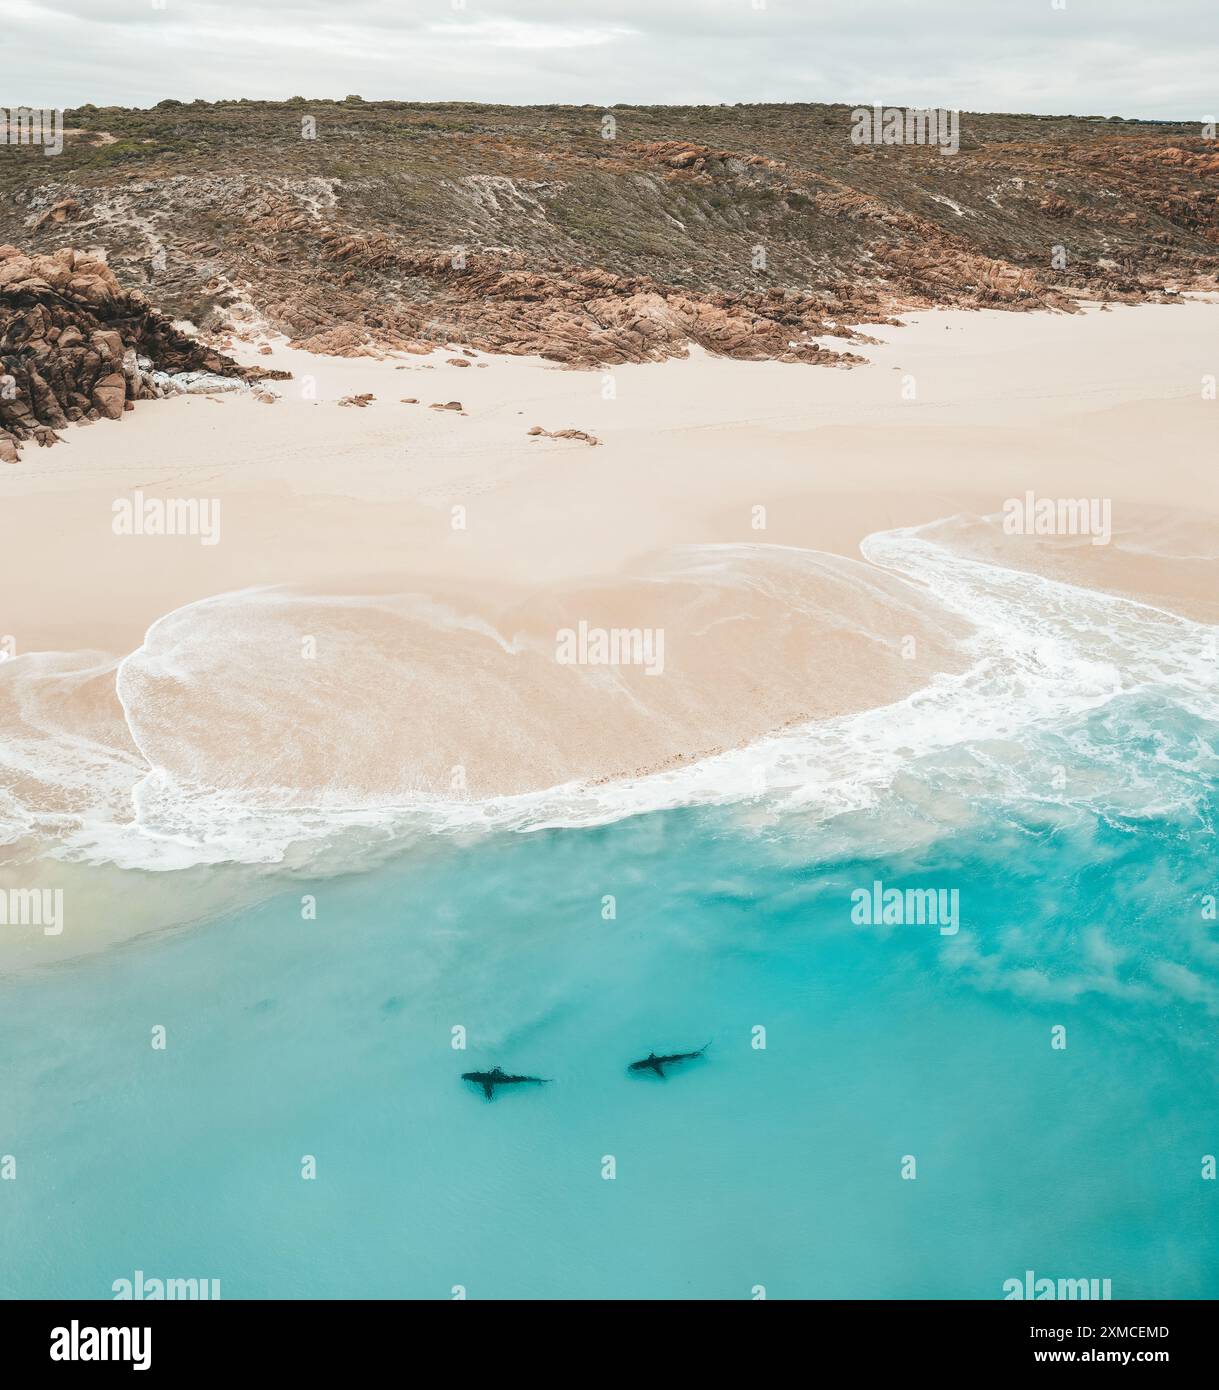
583, 317
74, 345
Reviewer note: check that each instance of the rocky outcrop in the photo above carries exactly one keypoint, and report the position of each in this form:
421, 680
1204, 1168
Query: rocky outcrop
75, 346
584, 317
64, 211
698, 160
538, 432
356, 340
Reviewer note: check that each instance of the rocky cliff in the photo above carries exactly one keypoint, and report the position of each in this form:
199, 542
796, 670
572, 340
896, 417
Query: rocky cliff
75, 346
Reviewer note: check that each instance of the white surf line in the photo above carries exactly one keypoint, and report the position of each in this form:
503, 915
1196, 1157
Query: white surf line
1045, 651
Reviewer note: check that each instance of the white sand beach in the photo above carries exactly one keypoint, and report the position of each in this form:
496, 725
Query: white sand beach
379, 615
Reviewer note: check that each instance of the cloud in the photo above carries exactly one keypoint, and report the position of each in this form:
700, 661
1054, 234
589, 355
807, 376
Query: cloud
501, 33
1093, 57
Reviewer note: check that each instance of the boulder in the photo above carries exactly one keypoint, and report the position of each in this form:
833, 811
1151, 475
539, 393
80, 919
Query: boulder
109, 395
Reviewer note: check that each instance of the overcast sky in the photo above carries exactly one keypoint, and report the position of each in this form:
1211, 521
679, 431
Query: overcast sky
1157, 58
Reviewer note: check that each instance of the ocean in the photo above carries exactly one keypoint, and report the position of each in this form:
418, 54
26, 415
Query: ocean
1015, 1072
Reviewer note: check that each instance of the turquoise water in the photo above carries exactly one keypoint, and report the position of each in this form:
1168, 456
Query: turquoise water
778, 1166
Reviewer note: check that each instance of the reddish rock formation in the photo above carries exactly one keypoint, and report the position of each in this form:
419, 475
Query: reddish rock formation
70, 340
584, 317
66, 210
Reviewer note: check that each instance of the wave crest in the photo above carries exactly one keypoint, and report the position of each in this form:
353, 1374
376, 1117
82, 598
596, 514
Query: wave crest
261, 726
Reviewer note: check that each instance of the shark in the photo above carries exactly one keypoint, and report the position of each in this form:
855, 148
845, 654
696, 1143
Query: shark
655, 1063
489, 1080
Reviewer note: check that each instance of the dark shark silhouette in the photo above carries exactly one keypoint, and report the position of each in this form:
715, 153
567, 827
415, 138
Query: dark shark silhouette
657, 1064
489, 1080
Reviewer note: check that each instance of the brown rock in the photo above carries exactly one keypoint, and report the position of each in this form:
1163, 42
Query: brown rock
14, 270
69, 339
109, 344
582, 435
66, 209
109, 395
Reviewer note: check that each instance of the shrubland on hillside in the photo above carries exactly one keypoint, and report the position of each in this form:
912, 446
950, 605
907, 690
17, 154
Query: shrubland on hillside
756, 231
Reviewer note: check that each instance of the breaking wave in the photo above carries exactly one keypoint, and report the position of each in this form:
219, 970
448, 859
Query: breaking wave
271, 727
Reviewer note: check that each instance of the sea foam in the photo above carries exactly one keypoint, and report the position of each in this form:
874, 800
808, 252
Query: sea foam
191, 759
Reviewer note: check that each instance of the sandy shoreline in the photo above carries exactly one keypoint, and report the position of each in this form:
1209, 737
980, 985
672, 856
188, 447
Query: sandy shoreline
1098, 404
432, 557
